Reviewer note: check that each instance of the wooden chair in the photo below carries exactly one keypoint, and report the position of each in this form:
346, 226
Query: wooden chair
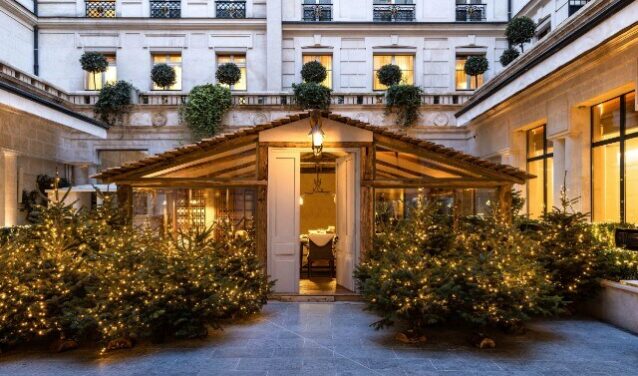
317, 253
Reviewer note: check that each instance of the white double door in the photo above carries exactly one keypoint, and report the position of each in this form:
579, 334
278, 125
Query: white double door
284, 219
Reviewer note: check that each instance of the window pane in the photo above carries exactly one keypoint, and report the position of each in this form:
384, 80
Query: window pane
326, 61
240, 61
175, 61
463, 80
406, 63
606, 183
535, 189
550, 183
631, 122
631, 180
535, 142
606, 120
96, 81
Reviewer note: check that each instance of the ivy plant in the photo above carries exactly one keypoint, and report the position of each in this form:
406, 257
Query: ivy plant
406, 101
163, 75
520, 30
228, 74
205, 108
389, 75
476, 65
113, 102
508, 56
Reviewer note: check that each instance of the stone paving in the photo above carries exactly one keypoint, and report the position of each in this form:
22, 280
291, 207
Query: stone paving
334, 339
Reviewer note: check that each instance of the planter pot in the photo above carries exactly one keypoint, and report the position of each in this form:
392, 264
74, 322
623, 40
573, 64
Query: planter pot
617, 304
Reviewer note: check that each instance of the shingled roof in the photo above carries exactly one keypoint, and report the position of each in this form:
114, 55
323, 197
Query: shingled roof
112, 174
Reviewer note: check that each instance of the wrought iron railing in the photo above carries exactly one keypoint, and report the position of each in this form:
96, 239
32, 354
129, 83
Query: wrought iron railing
100, 9
317, 12
393, 12
166, 8
230, 9
470, 12
575, 5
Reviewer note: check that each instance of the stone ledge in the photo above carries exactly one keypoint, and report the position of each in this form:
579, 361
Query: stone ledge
617, 304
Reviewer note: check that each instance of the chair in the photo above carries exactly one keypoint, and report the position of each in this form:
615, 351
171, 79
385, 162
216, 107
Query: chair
320, 248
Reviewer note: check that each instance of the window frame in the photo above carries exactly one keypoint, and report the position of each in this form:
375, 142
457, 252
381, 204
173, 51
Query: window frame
242, 66
167, 56
468, 78
545, 157
621, 140
393, 55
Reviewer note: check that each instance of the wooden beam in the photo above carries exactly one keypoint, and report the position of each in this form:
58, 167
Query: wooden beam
504, 197
235, 167
403, 170
381, 169
411, 161
125, 200
210, 166
191, 183
366, 201
436, 183
261, 214
308, 145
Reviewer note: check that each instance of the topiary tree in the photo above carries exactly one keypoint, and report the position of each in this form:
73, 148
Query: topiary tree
228, 74
113, 102
205, 108
406, 100
163, 75
313, 71
476, 65
520, 30
389, 75
94, 62
508, 56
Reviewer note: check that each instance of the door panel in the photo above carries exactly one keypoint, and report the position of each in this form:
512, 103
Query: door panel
283, 219
346, 221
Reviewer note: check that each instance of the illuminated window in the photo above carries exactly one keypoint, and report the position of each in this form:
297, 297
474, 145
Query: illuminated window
240, 61
463, 80
96, 81
540, 163
175, 61
405, 62
615, 160
326, 61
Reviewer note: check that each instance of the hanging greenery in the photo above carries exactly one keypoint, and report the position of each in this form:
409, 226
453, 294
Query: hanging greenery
405, 100
114, 102
205, 109
520, 30
476, 65
314, 71
508, 56
228, 74
163, 75
389, 75
94, 62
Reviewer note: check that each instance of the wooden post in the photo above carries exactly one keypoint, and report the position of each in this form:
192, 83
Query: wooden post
367, 200
504, 197
125, 201
261, 216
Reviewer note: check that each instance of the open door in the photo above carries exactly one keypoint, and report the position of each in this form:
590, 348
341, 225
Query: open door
346, 220
283, 219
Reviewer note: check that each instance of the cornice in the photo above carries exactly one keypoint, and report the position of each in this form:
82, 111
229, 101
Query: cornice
131, 23
19, 11
463, 28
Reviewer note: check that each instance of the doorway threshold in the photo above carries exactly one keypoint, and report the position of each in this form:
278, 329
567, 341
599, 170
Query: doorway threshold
316, 298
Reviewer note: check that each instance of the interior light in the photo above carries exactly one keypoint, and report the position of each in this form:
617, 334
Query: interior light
301, 200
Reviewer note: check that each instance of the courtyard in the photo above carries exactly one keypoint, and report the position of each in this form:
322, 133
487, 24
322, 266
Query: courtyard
334, 339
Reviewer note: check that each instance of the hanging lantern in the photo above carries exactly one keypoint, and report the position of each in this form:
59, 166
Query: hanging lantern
316, 133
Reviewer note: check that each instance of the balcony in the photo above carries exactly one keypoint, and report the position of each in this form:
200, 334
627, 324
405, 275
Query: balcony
393, 12
575, 5
470, 12
166, 8
230, 9
100, 9
313, 12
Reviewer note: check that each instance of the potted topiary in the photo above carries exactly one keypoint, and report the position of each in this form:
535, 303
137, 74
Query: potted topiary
520, 30
205, 108
311, 94
163, 75
508, 56
389, 75
405, 100
113, 102
228, 74
94, 62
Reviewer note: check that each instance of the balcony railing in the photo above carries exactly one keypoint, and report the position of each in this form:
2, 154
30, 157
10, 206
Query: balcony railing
393, 12
575, 5
230, 9
166, 8
317, 12
470, 12
100, 9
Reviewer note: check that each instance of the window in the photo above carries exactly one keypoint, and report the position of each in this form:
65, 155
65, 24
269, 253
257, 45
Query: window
405, 62
326, 61
100, 8
540, 163
96, 81
317, 10
393, 11
463, 80
614, 154
240, 61
175, 61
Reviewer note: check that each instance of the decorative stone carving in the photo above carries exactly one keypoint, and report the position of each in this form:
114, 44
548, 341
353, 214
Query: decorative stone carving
260, 118
159, 119
441, 119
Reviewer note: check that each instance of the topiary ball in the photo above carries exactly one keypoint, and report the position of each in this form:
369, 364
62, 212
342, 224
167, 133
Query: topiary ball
389, 74
508, 56
313, 71
228, 74
93, 62
163, 75
312, 96
475, 65
520, 30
